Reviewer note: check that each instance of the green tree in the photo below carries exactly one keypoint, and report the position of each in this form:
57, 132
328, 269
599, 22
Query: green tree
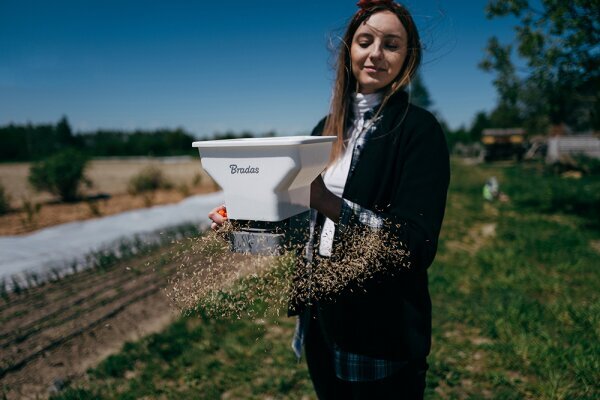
558, 41
60, 174
419, 95
498, 58
64, 134
480, 122
459, 135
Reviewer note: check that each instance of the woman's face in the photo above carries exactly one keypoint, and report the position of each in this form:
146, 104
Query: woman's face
378, 51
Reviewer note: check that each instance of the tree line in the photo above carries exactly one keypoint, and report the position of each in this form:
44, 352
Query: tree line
36, 142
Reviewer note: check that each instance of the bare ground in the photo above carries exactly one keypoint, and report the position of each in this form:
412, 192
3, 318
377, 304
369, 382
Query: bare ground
50, 335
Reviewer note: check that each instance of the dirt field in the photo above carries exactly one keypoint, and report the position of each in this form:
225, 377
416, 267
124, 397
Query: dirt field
50, 335
109, 176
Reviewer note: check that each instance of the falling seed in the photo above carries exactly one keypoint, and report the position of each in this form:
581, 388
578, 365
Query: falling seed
226, 284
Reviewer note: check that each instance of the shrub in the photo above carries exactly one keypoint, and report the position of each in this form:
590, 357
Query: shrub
60, 174
75, 394
197, 180
148, 180
32, 211
184, 190
4, 201
94, 208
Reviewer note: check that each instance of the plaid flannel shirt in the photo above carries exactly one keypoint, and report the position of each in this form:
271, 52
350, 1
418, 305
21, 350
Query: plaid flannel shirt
350, 366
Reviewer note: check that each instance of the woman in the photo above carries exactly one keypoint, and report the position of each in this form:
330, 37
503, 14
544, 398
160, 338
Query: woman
389, 174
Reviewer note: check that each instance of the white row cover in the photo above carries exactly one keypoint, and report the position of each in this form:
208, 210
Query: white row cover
61, 245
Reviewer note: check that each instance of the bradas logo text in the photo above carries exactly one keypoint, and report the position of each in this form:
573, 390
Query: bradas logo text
241, 170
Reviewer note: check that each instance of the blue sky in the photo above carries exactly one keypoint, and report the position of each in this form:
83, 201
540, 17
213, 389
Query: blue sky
215, 66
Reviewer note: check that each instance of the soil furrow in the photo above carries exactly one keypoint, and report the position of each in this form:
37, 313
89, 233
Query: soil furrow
76, 332
47, 322
67, 287
52, 308
27, 296
53, 291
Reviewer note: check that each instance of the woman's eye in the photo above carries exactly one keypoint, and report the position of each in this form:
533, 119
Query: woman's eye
364, 44
392, 46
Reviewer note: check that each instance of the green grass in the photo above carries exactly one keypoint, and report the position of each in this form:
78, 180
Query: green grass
516, 315
537, 188
519, 316
203, 358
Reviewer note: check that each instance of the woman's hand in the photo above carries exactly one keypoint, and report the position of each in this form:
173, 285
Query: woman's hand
218, 217
325, 202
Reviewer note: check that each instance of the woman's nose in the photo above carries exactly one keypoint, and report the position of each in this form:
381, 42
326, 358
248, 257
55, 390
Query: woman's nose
376, 53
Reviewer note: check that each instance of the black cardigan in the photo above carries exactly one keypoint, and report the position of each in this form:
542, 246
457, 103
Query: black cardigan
402, 174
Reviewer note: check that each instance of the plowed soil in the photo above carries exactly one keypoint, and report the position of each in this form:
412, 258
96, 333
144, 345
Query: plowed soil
50, 335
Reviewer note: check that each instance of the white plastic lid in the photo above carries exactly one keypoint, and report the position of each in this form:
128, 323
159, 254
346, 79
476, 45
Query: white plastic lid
268, 141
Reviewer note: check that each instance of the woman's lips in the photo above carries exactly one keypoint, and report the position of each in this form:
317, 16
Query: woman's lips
373, 69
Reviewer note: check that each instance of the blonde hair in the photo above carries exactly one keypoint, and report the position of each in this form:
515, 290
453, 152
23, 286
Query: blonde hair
345, 82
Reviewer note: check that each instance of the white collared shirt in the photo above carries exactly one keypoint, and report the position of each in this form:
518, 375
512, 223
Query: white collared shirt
335, 175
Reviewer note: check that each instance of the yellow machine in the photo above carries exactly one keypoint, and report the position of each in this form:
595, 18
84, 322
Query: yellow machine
502, 144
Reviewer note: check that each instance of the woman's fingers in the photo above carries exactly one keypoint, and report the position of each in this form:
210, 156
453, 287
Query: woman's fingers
218, 215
